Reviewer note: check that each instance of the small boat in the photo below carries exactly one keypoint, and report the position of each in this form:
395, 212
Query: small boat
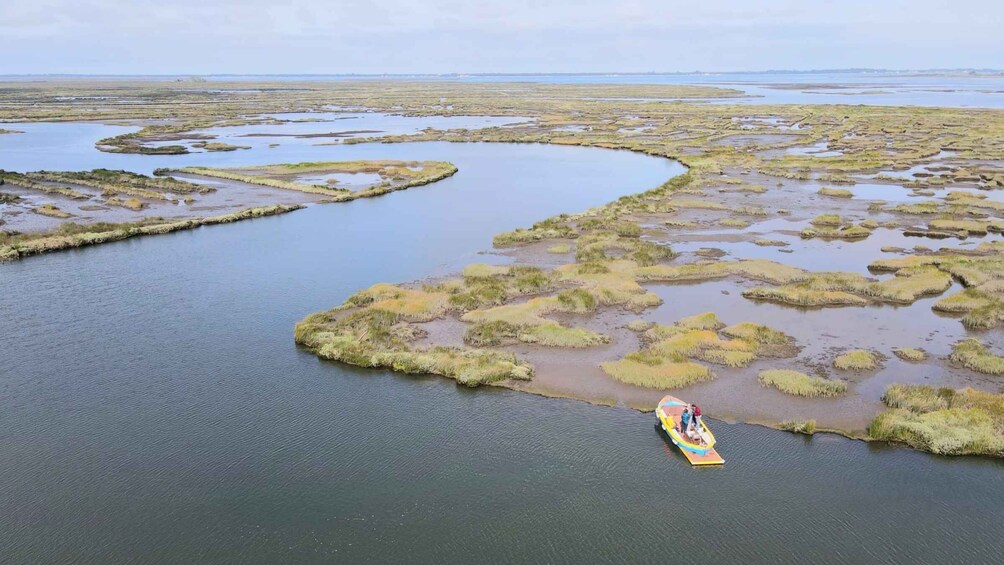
700, 449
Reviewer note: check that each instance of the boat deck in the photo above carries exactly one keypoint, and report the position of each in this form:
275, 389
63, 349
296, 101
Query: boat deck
710, 458
672, 407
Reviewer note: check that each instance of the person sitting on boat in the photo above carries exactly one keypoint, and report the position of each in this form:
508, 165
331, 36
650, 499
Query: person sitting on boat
684, 421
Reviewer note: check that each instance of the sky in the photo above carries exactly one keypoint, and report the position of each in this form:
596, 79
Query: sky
505, 36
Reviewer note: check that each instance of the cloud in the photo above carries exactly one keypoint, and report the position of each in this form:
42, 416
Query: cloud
318, 36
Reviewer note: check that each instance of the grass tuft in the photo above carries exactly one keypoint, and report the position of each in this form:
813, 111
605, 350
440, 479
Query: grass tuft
807, 427
856, 360
910, 354
800, 384
973, 354
942, 420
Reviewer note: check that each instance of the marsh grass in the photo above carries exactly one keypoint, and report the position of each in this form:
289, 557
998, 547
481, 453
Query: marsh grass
754, 269
661, 375
799, 384
394, 175
51, 210
219, 146
856, 360
705, 321
842, 232
751, 211
835, 192
134, 204
25, 181
942, 420
804, 296
116, 182
372, 337
850, 289
910, 354
680, 224
640, 325
827, 220
807, 427
552, 228
733, 223
70, 235
973, 354
769, 342
764, 242
967, 227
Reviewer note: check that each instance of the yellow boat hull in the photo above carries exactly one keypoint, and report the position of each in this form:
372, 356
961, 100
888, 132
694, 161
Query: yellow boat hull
668, 411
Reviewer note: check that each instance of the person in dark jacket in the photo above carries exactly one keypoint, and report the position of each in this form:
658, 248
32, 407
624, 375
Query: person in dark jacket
684, 421
696, 410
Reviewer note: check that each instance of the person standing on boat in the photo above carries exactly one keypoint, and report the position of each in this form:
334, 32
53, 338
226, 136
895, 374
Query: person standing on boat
697, 417
684, 421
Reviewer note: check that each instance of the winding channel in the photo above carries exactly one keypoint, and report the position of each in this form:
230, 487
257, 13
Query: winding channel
152, 403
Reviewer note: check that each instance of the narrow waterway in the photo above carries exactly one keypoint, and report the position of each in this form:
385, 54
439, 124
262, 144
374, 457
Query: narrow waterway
153, 407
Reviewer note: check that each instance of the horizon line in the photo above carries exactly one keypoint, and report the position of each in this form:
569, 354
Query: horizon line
971, 70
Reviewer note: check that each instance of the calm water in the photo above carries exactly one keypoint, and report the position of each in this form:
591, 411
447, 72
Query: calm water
153, 407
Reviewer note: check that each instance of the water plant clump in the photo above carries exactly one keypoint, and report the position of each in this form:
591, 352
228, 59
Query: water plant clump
670, 354
799, 384
942, 420
705, 321
376, 337
857, 360
973, 354
851, 289
807, 427
640, 325
659, 374
835, 192
51, 210
910, 354
553, 228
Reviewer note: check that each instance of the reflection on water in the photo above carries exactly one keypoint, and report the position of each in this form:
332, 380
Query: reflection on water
351, 181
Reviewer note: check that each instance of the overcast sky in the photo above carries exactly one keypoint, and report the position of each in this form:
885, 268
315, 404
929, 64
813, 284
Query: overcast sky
445, 36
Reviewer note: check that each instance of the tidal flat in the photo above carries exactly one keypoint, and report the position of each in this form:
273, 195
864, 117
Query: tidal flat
559, 322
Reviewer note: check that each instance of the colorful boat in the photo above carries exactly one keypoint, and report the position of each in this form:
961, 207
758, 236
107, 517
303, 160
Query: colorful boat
699, 450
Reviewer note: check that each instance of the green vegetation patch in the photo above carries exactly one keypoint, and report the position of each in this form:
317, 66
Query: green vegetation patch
942, 420
799, 384
973, 354
705, 321
372, 337
857, 360
910, 354
835, 192
807, 427
661, 375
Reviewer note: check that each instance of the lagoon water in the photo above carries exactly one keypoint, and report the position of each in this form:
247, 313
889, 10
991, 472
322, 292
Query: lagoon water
153, 406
